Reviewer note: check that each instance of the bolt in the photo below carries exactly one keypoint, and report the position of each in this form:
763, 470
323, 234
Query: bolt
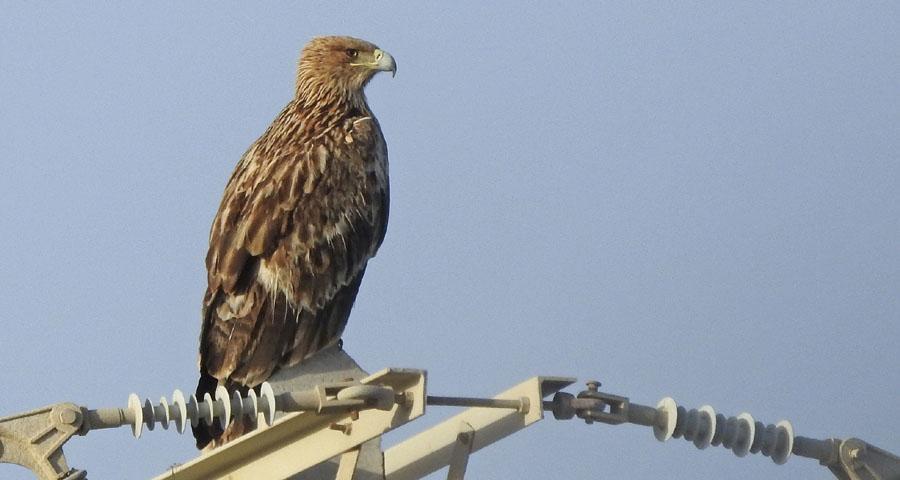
68, 416
354, 415
593, 385
524, 405
343, 428
404, 399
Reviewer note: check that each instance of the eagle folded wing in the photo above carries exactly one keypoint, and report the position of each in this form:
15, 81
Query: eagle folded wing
303, 212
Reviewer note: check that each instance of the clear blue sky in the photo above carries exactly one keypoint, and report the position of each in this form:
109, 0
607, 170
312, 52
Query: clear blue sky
697, 199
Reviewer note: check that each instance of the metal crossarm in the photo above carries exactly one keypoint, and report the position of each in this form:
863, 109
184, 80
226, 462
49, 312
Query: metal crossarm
330, 427
474, 428
301, 440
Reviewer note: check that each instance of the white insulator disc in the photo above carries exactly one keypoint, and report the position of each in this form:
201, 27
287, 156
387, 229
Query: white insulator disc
267, 402
180, 409
784, 443
746, 432
707, 429
134, 406
223, 404
205, 409
193, 411
666, 418
251, 408
237, 406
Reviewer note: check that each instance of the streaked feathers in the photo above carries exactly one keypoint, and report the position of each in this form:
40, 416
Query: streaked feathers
303, 212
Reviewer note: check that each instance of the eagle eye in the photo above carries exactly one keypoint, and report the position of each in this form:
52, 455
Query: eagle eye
352, 52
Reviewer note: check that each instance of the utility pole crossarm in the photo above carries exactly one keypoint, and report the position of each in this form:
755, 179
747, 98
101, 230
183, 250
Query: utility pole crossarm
473, 429
333, 414
301, 440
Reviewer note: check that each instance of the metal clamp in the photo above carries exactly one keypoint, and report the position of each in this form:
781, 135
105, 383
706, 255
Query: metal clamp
590, 405
34, 440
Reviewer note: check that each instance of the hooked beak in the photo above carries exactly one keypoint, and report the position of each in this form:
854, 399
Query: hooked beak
384, 62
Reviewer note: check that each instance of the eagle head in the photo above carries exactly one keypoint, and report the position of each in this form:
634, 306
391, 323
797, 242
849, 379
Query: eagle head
340, 66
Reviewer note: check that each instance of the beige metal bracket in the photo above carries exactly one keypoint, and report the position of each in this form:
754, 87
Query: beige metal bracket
300, 440
433, 449
34, 440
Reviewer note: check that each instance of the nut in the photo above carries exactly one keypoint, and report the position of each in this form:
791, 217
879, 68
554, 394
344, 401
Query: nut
68, 416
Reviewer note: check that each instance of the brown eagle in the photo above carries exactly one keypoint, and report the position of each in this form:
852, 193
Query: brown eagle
304, 211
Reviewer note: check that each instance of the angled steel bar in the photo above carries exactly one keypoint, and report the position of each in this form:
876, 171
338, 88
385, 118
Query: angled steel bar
433, 449
301, 440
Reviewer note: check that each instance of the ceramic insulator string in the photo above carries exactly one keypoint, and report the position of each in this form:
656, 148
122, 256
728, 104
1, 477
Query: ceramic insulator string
741, 434
223, 408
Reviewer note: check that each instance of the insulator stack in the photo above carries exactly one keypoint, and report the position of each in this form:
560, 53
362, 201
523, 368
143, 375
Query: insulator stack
741, 434
221, 408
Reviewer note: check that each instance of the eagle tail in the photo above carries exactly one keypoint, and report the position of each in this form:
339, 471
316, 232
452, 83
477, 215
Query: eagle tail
212, 436
235, 429
204, 434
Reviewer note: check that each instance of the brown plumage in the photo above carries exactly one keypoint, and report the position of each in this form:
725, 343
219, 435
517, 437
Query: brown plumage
304, 210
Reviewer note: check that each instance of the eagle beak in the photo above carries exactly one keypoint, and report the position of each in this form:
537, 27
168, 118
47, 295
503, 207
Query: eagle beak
384, 62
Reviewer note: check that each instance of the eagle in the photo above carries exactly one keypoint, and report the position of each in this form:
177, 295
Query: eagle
302, 214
